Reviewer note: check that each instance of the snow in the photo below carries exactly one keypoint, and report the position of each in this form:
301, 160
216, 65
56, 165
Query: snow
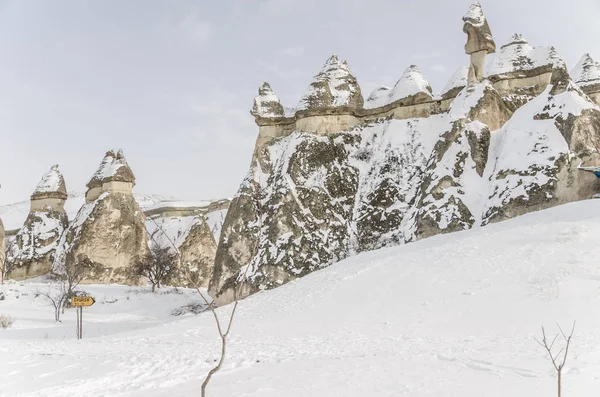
467, 99
452, 315
524, 143
215, 220
336, 74
458, 79
518, 55
52, 181
378, 98
586, 72
412, 82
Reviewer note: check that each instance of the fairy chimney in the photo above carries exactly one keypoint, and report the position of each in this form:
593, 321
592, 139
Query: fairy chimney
479, 42
113, 176
51, 192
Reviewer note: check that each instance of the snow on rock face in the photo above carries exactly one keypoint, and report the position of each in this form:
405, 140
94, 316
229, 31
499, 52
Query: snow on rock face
378, 98
535, 155
519, 57
412, 82
267, 104
586, 72
31, 252
52, 183
333, 87
309, 201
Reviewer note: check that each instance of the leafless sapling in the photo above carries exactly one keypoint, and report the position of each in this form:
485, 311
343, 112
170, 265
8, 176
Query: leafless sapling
223, 332
559, 359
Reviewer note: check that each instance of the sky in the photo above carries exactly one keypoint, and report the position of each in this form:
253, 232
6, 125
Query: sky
171, 82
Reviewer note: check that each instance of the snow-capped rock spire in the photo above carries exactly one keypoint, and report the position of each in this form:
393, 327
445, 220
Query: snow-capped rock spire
479, 41
412, 82
107, 161
586, 72
333, 87
52, 185
267, 104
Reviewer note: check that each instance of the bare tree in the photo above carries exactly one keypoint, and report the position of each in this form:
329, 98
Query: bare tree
74, 271
158, 266
64, 282
56, 295
559, 359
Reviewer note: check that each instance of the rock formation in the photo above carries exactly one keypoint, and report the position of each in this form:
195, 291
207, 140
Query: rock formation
479, 42
334, 87
193, 232
502, 141
109, 229
32, 250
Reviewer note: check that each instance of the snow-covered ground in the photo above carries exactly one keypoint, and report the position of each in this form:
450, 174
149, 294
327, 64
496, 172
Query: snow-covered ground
452, 315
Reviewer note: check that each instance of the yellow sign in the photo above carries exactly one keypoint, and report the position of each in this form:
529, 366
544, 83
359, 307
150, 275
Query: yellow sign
82, 301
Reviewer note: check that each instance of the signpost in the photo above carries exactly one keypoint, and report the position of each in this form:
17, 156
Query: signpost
80, 302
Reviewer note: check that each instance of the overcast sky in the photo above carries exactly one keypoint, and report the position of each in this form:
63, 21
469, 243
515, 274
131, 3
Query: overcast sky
172, 82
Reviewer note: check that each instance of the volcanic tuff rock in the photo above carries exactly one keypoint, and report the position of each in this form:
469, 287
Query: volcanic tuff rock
497, 148
110, 229
32, 250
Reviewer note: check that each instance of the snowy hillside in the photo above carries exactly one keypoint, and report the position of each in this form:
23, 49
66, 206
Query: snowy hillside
451, 315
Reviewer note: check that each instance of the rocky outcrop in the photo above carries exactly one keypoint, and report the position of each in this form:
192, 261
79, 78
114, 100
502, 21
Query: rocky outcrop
479, 42
520, 72
536, 154
32, 250
110, 229
412, 166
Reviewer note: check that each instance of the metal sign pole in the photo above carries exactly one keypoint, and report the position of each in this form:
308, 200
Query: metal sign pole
80, 322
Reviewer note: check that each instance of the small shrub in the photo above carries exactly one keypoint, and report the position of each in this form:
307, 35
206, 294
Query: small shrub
5, 321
